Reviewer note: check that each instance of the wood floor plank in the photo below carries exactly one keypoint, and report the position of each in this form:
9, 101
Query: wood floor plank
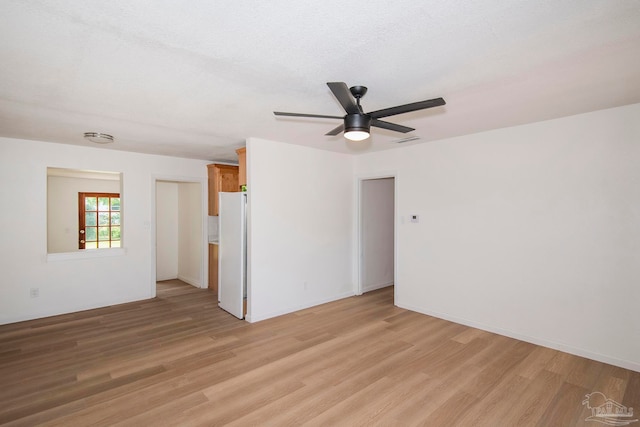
563, 409
532, 403
177, 359
632, 392
495, 404
536, 361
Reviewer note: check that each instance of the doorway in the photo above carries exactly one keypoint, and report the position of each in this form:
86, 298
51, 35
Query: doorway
376, 233
180, 236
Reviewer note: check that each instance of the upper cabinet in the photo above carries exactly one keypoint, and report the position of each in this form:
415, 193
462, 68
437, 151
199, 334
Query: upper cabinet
221, 178
242, 165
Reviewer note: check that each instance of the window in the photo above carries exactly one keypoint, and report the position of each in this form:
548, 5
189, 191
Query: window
99, 220
63, 210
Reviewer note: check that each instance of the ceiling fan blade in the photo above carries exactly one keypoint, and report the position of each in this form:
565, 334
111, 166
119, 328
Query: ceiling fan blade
320, 116
335, 131
401, 109
391, 126
343, 94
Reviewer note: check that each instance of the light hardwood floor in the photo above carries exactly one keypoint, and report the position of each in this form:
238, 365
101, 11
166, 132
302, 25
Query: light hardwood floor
179, 360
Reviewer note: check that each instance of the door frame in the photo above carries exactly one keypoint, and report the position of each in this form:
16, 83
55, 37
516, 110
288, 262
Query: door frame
359, 233
152, 226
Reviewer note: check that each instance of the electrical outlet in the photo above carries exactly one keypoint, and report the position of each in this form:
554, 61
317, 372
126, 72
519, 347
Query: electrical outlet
34, 292
415, 218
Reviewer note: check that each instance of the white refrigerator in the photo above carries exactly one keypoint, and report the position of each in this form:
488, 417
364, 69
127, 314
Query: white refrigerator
232, 252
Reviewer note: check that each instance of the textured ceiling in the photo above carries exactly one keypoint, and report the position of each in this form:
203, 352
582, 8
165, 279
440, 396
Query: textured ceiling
196, 78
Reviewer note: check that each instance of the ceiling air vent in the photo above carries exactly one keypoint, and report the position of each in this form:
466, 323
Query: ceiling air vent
403, 140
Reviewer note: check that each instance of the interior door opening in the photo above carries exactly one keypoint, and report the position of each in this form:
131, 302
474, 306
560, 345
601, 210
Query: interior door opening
377, 233
179, 232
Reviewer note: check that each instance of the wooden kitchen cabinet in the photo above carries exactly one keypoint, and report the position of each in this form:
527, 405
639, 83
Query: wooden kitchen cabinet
213, 268
221, 178
242, 166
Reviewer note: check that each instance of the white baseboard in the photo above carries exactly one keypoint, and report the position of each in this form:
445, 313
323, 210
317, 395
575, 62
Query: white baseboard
253, 319
369, 288
189, 280
50, 312
627, 364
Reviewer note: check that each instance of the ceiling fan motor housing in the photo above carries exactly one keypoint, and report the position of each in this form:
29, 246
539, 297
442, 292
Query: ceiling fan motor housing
357, 122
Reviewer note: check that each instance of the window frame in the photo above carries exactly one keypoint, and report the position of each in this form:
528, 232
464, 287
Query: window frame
81, 219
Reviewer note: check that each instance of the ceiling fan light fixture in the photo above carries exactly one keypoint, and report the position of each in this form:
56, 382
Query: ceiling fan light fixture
356, 127
356, 135
98, 138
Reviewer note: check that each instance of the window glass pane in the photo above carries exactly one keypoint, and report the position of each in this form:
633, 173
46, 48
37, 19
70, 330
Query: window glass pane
115, 204
91, 234
91, 245
115, 243
103, 218
103, 244
90, 203
115, 233
90, 218
103, 233
103, 203
115, 218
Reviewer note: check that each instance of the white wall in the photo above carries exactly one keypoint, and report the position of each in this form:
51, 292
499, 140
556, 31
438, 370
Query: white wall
300, 227
166, 230
62, 208
190, 232
531, 231
78, 282
377, 233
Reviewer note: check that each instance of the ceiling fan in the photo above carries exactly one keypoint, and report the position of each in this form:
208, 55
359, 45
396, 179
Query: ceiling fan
356, 122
